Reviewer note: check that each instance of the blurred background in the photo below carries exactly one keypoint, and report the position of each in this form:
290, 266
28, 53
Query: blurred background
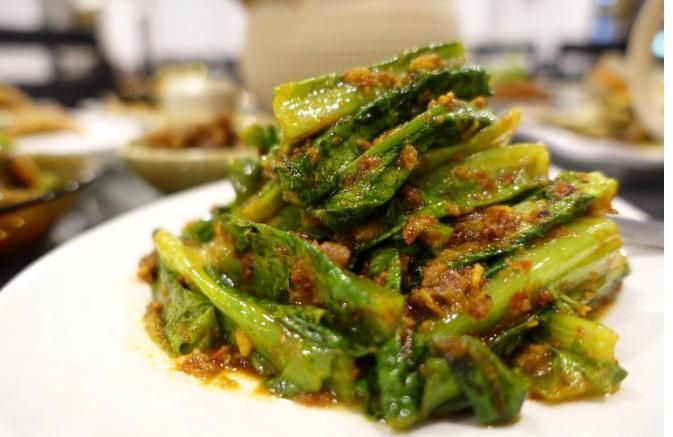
146, 97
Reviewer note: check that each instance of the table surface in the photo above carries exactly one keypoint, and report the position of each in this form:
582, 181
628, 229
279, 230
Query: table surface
119, 190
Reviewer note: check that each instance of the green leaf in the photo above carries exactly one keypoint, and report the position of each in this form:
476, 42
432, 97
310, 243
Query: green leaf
360, 307
494, 392
399, 381
556, 375
302, 363
189, 317
313, 169
305, 107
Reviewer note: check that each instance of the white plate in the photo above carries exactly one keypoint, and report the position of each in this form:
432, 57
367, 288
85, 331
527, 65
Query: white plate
76, 360
99, 134
601, 153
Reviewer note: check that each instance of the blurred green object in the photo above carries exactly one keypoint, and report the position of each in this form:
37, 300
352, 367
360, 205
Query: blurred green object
5, 143
263, 137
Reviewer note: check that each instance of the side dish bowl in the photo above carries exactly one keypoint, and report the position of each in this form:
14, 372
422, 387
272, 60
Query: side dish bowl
171, 170
23, 224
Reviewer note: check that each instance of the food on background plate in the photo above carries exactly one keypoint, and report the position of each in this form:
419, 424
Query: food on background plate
186, 155
396, 253
516, 85
608, 110
212, 134
220, 132
21, 178
19, 115
36, 119
11, 97
512, 80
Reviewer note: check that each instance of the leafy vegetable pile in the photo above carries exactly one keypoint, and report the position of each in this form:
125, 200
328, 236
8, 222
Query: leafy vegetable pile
394, 252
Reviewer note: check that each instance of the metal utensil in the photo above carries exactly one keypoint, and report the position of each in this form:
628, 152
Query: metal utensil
649, 233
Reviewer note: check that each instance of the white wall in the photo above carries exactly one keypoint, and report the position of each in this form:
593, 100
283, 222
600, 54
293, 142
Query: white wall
208, 29
543, 22
215, 29
20, 14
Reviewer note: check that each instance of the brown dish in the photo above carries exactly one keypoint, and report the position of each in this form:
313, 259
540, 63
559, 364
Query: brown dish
213, 134
24, 223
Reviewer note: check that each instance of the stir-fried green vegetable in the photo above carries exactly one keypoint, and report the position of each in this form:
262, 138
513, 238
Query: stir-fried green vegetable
568, 196
283, 263
302, 108
302, 364
374, 177
399, 381
385, 267
314, 168
395, 252
190, 318
486, 178
583, 244
493, 391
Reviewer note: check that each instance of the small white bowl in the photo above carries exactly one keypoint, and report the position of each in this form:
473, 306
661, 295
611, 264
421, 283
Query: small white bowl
171, 170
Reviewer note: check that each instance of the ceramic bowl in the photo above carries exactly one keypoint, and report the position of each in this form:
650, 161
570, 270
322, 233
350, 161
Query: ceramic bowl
23, 224
171, 170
